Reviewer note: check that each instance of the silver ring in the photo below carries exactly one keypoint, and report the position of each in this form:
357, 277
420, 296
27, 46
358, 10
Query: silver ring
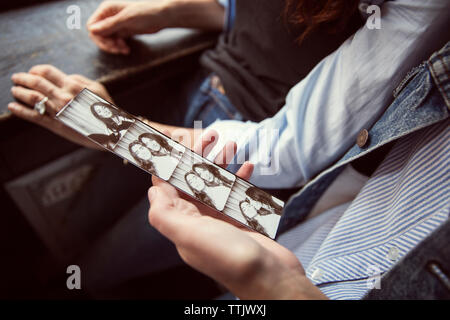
40, 106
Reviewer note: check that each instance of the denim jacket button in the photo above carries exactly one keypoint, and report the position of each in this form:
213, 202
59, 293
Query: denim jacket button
363, 138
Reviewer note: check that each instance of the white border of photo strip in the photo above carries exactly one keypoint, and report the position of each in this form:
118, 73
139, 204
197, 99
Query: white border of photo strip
217, 187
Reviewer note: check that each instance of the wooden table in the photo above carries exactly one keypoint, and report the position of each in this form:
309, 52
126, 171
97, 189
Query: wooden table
39, 35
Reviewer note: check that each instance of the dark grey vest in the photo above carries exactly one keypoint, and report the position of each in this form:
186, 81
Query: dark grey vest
258, 60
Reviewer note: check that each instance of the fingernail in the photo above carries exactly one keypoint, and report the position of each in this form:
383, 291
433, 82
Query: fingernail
11, 105
13, 76
152, 193
95, 27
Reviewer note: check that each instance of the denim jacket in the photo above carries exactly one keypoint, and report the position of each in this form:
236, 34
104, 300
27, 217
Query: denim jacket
420, 100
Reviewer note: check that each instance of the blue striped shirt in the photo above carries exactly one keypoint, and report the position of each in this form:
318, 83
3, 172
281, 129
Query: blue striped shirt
407, 198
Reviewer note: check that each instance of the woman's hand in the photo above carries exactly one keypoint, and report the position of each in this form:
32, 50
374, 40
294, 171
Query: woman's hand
47, 81
113, 21
249, 264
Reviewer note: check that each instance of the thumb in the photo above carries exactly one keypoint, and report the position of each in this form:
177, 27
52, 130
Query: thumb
107, 26
160, 203
245, 171
163, 215
158, 198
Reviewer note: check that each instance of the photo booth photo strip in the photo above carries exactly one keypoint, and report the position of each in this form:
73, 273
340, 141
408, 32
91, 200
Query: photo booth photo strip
158, 154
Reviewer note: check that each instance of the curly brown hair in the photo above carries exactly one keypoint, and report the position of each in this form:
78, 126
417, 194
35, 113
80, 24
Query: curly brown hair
330, 16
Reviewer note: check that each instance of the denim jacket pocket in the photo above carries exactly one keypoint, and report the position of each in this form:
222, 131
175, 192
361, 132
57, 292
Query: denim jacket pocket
414, 89
411, 73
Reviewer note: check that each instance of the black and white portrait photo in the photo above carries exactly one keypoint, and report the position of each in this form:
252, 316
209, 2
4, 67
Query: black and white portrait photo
115, 121
142, 155
211, 175
257, 205
254, 208
158, 144
150, 150
96, 119
210, 184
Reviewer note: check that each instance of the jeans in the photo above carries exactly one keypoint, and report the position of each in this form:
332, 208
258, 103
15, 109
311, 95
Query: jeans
132, 248
208, 104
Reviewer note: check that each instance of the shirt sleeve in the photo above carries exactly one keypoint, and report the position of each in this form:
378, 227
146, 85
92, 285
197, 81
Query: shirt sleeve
346, 92
224, 3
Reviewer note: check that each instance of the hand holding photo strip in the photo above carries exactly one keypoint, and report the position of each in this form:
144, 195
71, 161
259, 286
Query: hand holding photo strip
130, 138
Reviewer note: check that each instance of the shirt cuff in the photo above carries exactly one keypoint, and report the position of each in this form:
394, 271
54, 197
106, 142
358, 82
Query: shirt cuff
231, 130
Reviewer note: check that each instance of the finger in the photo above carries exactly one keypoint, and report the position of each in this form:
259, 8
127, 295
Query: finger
172, 217
245, 171
79, 78
166, 132
168, 188
35, 82
156, 181
122, 46
28, 114
158, 198
98, 14
49, 72
105, 9
226, 154
206, 143
161, 205
177, 202
107, 26
105, 44
29, 97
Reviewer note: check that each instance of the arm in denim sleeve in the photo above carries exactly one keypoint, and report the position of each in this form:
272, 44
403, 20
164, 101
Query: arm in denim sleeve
346, 92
